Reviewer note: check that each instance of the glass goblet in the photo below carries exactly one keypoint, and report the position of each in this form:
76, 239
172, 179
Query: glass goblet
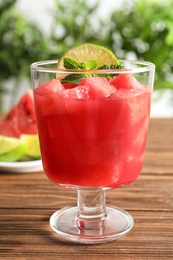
92, 138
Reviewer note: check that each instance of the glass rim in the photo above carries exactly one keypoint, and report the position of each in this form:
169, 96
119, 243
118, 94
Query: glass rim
147, 66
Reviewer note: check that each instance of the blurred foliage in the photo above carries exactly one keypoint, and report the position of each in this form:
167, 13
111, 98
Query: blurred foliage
143, 29
146, 29
21, 42
73, 24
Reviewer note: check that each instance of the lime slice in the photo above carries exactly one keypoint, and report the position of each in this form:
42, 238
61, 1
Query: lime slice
87, 52
8, 143
14, 155
32, 145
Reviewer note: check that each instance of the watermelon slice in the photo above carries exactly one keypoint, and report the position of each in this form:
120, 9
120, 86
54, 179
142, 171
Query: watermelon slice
50, 87
79, 92
98, 87
125, 81
21, 118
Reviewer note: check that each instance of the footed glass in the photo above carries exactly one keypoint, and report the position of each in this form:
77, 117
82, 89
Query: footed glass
92, 137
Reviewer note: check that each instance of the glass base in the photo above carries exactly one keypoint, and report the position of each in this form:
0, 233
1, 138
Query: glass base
70, 228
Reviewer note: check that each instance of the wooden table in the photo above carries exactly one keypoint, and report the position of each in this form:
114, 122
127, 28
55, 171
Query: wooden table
27, 200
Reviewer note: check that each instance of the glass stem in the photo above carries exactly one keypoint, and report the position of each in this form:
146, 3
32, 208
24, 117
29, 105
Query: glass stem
91, 208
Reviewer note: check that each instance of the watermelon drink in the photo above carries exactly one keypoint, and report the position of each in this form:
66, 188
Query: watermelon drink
94, 134
92, 126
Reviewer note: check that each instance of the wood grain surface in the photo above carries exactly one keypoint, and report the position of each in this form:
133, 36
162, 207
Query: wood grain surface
28, 199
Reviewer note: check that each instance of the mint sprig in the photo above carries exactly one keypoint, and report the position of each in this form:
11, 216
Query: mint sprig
74, 78
69, 63
72, 64
111, 67
91, 65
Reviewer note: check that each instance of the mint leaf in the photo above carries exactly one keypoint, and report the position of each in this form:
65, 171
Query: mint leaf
111, 66
108, 67
74, 78
91, 65
72, 64
69, 63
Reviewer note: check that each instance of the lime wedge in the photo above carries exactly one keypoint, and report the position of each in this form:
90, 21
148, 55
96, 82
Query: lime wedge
32, 145
87, 52
14, 155
8, 143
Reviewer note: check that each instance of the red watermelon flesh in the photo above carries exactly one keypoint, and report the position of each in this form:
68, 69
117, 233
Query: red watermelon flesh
125, 81
79, 92
21, 118
49, 88
98, 87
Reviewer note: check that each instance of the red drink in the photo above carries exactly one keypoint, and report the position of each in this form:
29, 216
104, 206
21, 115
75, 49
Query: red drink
94, 134
92, 116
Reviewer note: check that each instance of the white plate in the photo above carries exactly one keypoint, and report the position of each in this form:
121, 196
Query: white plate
18, 167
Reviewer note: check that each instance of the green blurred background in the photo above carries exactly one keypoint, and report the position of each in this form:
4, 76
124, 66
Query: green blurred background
140, 30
